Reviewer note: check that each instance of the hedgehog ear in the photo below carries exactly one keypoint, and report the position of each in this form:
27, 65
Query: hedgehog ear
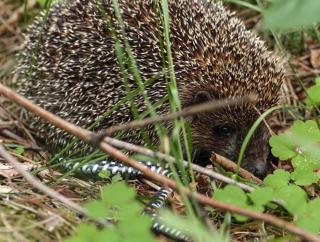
201, 97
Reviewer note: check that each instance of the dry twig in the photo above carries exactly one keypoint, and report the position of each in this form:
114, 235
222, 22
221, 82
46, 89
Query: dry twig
231, 166
186, 112
161, 156
38, 184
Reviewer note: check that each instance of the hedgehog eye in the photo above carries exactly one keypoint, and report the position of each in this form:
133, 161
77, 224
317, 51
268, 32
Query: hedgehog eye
223, 130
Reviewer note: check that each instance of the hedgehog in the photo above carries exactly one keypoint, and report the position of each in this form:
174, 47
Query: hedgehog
69, 66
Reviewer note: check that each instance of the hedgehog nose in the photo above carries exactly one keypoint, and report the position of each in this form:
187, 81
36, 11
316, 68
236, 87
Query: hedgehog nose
200, 157
259, 170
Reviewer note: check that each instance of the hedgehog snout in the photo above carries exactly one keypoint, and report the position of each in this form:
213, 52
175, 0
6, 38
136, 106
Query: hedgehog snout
255, 158
257, 168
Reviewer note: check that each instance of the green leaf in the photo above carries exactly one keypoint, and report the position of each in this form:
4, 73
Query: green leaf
105, 174
233, 195
257, 208
262, 195
292, 196
313, 96
280, 178
117, 194
304, 162
306, 135
83, 233
291, 14
137, 228
110, 235
97, 209
302, 144
119, 203
19, 150
306, 130
191, 227
309, 217
304, 177
282, 146
117, 178
131, 210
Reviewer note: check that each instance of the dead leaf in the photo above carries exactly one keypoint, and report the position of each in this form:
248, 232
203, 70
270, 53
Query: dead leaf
310, 190
7, 189
53, 222
315, 58
8, 171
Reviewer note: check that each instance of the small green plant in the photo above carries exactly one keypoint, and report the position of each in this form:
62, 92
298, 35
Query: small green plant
301, 145
313, 94
279, 189
191, 227
19, 150
235, 196
118, 204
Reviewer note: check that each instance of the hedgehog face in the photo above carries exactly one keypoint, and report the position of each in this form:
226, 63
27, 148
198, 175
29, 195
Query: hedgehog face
223, 132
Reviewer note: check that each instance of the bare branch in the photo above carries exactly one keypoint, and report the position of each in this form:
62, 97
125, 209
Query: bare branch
188, 111
161, 156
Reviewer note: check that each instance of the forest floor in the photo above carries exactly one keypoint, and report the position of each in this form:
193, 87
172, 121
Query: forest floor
29, 215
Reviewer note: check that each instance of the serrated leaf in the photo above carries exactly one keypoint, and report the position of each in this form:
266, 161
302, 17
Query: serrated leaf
83, 233
292, 197
306, 130
282, 146
191, 227
304, 162
304, 177
302, 144
233, 195
313, 96
119, 203
97, 209
280, 178
133, 210
310, 213
257, 208
261, 196
304, 223
117, 194
137, 228
109, 235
